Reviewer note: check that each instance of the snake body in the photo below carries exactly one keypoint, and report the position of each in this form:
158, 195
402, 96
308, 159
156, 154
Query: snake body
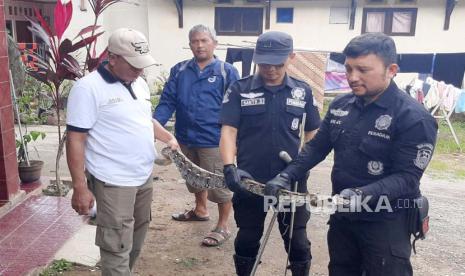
203, 179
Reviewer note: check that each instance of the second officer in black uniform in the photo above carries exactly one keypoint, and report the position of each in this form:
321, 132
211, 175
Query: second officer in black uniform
383, 141
262, 115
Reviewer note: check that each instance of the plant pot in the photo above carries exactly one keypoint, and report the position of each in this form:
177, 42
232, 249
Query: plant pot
31, 173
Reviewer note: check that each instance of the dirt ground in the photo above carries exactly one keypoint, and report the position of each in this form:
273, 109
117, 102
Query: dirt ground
173, 248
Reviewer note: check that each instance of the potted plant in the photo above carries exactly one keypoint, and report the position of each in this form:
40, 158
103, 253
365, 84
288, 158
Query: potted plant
29, 170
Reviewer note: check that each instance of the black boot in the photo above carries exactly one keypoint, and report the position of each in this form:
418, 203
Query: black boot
244, 265
300, 268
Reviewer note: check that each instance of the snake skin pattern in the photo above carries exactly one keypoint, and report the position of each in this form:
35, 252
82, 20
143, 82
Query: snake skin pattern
203, 179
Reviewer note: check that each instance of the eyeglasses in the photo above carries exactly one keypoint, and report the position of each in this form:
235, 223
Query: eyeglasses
268, 66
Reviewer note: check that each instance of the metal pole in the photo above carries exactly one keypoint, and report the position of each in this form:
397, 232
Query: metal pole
293, 210
264, 241
15, 104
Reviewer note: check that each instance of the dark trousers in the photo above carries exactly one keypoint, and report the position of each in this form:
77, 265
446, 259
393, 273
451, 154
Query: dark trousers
250, 216
369, 248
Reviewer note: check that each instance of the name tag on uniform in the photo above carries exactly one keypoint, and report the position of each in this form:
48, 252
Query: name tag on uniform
250, 102
295, 102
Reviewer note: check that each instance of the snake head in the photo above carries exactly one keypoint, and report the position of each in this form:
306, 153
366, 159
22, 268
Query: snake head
167, 154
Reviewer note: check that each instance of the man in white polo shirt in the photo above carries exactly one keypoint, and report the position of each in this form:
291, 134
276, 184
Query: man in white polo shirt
111, 144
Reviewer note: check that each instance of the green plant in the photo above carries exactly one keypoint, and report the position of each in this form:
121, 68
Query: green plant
57, 267
22, 146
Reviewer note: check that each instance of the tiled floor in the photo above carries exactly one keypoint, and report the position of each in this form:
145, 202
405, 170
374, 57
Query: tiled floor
32, 233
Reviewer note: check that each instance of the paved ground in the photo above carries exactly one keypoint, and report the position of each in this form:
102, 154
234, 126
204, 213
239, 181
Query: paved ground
173, 248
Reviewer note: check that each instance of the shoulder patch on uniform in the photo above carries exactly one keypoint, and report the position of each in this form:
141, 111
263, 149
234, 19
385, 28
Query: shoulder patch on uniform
251, 95
424, 154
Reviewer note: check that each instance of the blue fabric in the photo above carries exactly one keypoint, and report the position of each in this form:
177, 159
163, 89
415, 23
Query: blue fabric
196, 96
267, 120
381, 148
460, 107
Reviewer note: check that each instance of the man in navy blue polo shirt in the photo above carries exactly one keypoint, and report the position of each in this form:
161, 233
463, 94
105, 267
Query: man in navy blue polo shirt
263, 115
195, 91
383, 141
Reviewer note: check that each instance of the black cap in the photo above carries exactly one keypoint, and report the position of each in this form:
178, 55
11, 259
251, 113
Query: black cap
272, 48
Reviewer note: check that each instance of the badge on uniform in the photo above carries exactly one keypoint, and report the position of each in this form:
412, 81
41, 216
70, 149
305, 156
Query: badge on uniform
383, 122
251, 95
298, 96
375, 167
295, 124
212, 79
424, 153
249, 102
339, 112
298, 93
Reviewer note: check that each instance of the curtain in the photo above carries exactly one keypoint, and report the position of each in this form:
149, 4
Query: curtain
375, 22
401, 22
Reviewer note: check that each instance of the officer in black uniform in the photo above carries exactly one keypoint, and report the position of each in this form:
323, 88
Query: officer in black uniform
383, 141
262, 115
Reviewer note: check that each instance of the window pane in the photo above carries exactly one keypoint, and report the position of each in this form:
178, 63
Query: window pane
226, 22
339, 15
375, 22
284, 15
402, 22
251, 20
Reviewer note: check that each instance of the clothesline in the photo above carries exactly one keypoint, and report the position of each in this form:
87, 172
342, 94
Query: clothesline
440, 99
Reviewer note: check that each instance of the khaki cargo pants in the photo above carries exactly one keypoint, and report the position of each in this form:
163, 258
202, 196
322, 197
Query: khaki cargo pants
123, 217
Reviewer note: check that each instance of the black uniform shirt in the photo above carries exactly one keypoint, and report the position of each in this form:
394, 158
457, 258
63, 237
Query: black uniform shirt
382, 147
268, 121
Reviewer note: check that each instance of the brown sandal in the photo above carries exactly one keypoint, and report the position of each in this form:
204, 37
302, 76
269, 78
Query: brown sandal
189, 215
218, 236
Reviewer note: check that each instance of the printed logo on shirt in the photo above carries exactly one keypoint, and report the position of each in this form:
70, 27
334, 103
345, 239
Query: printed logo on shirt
226, 96
375, 167
296, 103
298, 93
379, 134
424, 153
114, 100
250, 102
339, 112
212, 79
295, 124
251, 95
383, 122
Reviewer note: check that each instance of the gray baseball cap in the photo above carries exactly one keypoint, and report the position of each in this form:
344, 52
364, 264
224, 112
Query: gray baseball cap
272, 48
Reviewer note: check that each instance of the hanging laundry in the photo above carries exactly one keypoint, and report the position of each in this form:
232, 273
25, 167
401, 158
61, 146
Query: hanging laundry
460, 106
337, 57
432, 97
241, 54
418, 63
449, 68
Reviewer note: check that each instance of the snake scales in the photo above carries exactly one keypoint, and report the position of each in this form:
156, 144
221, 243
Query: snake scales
203, 179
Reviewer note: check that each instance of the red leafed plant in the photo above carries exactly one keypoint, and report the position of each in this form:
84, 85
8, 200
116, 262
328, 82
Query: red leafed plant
58, 64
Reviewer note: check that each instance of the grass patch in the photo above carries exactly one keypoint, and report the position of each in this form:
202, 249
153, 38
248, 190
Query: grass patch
445, 141
447, 166
57, 267
189, 262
